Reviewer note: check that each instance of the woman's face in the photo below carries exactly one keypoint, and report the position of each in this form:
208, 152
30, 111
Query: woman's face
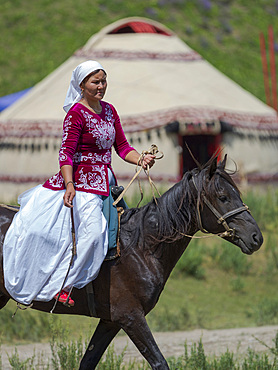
95, 86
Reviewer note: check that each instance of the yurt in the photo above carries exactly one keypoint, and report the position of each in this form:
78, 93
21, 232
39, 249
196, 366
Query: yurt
164, 92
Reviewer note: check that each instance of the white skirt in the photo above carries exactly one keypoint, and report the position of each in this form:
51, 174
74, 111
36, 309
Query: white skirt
38, 244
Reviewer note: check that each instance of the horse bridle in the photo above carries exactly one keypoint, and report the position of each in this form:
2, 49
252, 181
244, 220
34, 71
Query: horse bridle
221, 220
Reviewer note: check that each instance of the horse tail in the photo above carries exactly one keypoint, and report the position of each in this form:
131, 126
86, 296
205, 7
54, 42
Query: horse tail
3, 300
7, 213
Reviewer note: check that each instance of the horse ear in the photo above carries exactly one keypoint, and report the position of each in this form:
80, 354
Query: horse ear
212, 167
223, 163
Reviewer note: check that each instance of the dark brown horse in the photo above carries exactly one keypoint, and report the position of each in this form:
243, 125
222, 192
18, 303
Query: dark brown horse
152, 240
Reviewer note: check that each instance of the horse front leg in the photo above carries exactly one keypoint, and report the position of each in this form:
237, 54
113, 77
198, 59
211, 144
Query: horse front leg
103, 335
137, 329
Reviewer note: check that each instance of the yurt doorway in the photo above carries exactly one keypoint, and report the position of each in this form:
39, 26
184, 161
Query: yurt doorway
201, 146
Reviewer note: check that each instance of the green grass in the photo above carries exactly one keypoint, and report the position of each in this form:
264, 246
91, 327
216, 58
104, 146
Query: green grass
37, 36
263, 203
35, 326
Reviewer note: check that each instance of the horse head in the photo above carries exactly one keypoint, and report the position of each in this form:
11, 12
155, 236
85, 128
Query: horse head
220, 209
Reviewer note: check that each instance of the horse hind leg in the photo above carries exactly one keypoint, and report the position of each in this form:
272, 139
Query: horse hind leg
103, 335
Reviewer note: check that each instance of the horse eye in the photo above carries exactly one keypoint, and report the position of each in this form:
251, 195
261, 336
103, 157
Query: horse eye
223, 198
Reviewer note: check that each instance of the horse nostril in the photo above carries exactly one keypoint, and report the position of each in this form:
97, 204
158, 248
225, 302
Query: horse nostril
257, 239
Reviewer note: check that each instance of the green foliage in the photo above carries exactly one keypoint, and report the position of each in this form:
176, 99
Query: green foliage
37, 361
37, 36
238, 284
35, 326
191, 262
111, 360
266, 312
30, 326
271, 254
264, 207
17, 364
65, 354
197, 359
231, 259
254, 361
144, 198
225, 362
169, 319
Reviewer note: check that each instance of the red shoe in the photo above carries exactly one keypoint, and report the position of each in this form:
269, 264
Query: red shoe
65, 298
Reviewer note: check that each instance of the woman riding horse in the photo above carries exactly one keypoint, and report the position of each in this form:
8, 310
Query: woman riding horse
37, 246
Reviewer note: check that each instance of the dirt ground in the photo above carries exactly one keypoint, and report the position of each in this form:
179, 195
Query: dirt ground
172, 343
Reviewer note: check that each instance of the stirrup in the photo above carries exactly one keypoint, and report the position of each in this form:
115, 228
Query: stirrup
68, 302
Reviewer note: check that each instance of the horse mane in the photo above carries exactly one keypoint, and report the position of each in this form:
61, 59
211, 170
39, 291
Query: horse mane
166, 216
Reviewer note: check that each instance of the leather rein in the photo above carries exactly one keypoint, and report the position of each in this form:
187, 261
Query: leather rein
221, 219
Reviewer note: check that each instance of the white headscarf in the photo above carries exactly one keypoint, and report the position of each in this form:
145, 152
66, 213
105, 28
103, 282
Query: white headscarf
78, 75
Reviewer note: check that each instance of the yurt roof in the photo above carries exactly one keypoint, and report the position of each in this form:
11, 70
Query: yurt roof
154, 78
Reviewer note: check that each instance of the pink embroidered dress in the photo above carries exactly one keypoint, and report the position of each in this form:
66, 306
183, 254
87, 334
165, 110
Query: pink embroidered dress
87, 142
38, 245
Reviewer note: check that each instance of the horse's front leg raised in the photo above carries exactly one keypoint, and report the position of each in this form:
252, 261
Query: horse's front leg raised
137, 329
103, 335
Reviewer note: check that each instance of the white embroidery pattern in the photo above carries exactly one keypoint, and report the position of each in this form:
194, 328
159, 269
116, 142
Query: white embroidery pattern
103, 131
92, 157
67, 124
92, 180
109, 114
56, 181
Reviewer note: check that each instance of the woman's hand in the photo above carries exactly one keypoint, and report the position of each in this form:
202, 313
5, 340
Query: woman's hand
148, 160
70, 191
69, 195
133, 157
